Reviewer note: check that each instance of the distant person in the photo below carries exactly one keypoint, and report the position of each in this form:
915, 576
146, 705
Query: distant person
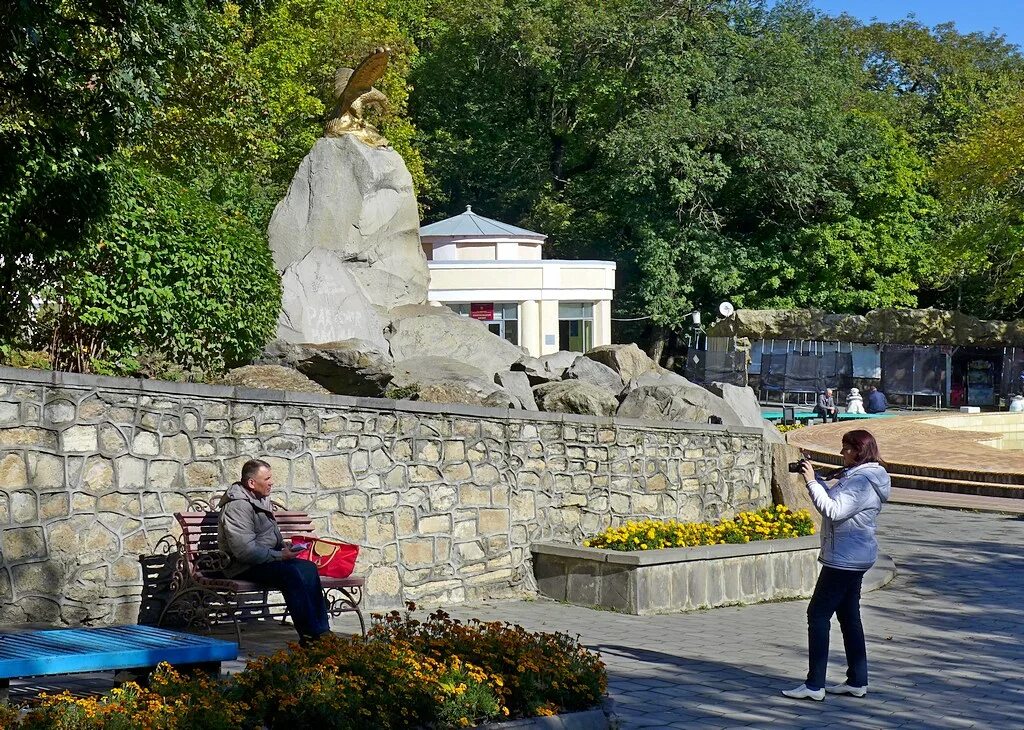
826, 408
876, 401
854, 403
849, 511
1017, 404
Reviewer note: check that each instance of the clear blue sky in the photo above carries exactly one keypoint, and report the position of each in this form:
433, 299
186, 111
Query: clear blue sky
1006, 16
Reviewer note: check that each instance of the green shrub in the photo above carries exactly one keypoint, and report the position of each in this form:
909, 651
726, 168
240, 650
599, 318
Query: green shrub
164, 276
18, 358
437, 674
405, 392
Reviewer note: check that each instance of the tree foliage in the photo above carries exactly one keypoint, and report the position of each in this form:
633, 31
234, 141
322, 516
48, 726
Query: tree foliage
78, 79
981, 179
164, 272
763, 153
240, 116
713, 149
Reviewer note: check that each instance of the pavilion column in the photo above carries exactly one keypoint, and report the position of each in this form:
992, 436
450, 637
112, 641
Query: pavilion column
529, 327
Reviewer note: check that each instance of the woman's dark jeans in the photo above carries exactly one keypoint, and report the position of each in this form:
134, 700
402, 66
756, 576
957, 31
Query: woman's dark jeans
299, 581
836, 592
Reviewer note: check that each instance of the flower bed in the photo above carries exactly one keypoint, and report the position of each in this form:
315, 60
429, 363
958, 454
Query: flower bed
640, 567
771, 523
438, 673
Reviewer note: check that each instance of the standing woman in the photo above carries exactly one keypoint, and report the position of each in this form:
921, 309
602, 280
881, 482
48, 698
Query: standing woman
848, 509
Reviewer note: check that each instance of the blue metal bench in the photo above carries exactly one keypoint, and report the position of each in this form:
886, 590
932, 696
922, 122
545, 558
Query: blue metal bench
137, 648
799, 415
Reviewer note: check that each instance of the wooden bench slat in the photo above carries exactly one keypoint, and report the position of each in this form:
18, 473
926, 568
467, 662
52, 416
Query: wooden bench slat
200, 543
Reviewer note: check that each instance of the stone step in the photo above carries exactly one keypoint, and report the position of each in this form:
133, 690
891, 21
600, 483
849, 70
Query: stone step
949, 500
966, 487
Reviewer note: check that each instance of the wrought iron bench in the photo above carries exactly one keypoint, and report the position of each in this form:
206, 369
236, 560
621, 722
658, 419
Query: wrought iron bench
202, 596
136, 648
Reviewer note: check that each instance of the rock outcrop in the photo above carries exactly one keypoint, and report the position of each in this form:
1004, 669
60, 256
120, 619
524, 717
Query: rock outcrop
349, 367
744, 403
906, 326
591, 371
321, 301
670, 400
629, 361
357, 201
517, 384
271, 377
420, 331
575, 396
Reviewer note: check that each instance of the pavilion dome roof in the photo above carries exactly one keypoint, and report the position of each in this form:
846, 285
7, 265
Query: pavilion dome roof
472, 225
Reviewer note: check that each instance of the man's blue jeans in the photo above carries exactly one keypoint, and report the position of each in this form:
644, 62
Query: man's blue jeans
299, 581
836, 592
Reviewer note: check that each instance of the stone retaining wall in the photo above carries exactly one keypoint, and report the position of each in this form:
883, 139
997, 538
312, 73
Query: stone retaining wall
677, 579
445, 500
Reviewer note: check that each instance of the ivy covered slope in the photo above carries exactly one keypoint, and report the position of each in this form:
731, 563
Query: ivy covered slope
161, 272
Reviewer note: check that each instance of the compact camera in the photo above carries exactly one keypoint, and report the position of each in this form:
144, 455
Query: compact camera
795, 467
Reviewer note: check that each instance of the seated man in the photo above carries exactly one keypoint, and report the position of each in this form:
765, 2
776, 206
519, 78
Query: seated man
826, 407
249, 535
876, 402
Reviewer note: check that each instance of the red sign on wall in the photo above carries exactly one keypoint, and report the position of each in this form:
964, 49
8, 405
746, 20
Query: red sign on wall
482, 310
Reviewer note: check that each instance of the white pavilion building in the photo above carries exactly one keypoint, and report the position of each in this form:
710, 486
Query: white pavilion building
495, 273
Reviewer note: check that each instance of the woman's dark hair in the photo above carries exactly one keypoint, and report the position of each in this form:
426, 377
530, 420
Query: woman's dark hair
864, 446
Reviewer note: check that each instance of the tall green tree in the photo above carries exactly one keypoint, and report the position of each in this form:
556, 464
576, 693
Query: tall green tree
930, 80
78, 79
243, 111
980, 176
713, 149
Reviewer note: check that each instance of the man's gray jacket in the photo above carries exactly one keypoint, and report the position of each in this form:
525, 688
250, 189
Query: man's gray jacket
247, 530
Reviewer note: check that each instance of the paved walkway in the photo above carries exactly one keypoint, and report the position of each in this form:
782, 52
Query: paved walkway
944, 641
918, 444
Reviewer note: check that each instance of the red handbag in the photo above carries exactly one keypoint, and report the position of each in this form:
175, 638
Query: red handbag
332, 559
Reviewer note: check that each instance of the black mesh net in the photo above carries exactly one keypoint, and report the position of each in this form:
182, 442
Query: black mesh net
716, 367
796, 372
1013, 371
913, 370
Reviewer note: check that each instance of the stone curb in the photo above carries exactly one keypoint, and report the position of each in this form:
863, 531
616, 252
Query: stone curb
880, 575
602, 718
676, 555
58, 379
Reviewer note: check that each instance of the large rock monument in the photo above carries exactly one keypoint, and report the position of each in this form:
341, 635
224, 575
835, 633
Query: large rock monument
346, 236
355, 317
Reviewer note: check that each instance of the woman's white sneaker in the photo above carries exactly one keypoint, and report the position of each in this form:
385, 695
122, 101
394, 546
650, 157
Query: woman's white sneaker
803, 693
845, 689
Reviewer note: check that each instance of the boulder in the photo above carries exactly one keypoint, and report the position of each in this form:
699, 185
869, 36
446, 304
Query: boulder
629, 361
658, 376
743, 401
357, 201
536, 371
517, 384
459, 393
350, 367
591, 371
575, 396
321, 301
670, 401
434, 370
420, 331
271, 377
557, 362
790, 489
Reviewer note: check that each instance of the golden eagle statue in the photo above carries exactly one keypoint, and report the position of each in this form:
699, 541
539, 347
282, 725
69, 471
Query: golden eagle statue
355, 94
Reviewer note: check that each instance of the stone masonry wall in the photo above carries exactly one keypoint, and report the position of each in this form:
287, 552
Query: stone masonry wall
445, 500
